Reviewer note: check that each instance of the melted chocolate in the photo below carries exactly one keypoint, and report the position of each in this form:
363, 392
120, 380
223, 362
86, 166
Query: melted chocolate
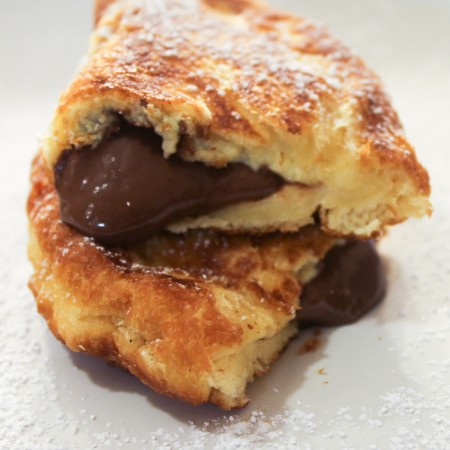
124, 190
351, 282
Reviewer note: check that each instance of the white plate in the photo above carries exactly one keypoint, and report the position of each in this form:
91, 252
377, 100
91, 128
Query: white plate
386, 381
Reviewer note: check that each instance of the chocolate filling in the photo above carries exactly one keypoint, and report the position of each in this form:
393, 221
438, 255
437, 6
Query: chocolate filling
350, 283
123, 191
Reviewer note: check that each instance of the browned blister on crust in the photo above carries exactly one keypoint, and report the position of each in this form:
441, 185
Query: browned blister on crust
236, 81
194, 316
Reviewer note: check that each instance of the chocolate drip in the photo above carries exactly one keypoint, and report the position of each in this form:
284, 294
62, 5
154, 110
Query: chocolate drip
123, 191
351, 282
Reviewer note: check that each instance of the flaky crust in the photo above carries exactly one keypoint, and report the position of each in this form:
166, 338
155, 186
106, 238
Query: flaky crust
236, 81
194, 316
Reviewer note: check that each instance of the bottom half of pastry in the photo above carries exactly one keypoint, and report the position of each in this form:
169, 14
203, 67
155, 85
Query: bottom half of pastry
195, 316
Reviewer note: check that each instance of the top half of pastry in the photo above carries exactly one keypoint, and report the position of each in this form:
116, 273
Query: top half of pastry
226, 82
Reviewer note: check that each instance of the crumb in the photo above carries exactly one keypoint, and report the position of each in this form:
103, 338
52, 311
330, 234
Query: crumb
310, 345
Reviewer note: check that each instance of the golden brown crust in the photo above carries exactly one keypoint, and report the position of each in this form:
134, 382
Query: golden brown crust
236, 81
133, 62
200, 298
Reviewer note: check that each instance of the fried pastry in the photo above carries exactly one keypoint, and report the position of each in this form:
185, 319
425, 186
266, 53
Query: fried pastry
237, 87
195, 315
210, 162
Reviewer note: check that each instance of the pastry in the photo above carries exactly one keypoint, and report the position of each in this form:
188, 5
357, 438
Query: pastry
202, 184
235, 85
195, 315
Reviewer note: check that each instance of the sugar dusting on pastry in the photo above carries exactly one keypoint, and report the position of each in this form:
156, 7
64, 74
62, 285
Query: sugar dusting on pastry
241, 82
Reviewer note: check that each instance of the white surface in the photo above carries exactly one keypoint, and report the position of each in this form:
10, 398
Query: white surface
388, 380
